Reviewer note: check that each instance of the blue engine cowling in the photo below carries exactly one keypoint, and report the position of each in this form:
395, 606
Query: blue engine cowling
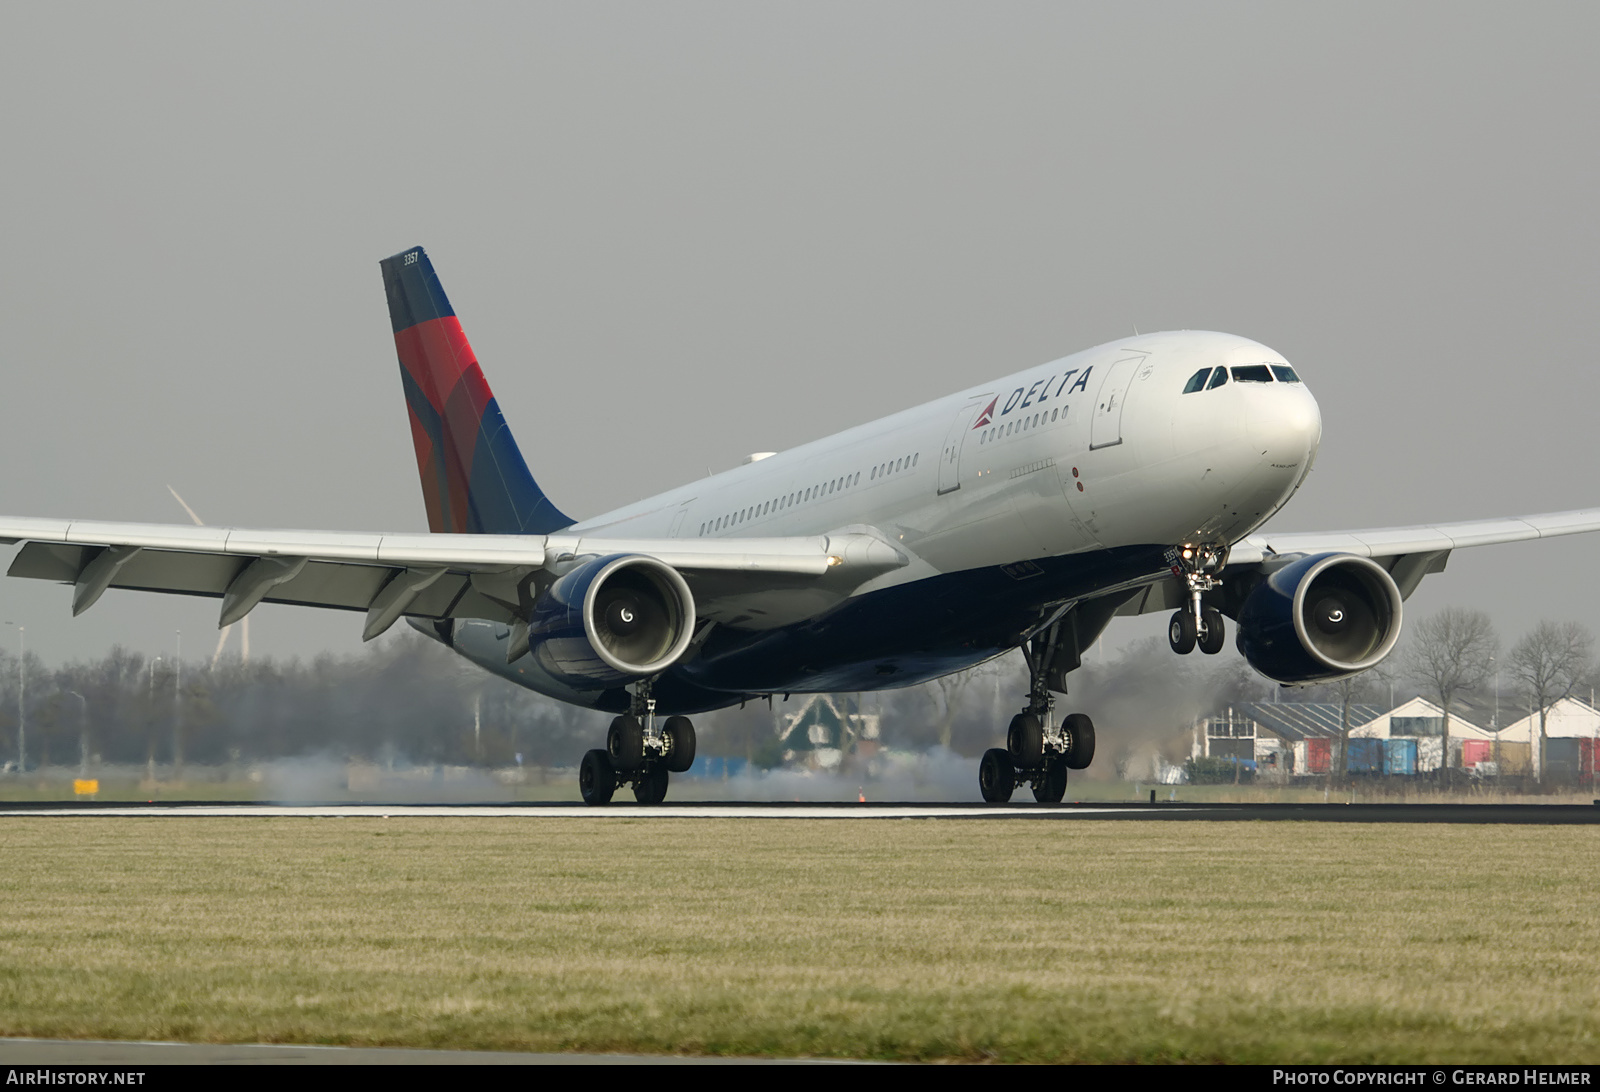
612, 620
1320, 618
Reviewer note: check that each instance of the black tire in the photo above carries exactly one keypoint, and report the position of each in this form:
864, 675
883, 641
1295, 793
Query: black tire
651, 788
1025, 740
625, 742
1182, 632
996, 776
1050, 786
1216, 631
1080, 741
596, 780
679, 733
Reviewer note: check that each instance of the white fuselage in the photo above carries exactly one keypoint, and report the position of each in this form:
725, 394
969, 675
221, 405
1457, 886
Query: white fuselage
1098, 450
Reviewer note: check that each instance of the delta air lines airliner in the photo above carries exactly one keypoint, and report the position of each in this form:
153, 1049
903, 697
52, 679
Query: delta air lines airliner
1022, 513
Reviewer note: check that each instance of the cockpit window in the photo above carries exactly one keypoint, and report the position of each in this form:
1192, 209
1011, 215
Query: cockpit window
1285, 373
1197, 381
1252, 373
1218, 378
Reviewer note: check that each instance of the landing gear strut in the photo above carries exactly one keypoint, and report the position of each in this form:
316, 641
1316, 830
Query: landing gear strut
638, 752
1197, 625
1038, 751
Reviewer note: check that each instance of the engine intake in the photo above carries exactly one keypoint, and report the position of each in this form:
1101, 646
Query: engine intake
1320, 618
612, 620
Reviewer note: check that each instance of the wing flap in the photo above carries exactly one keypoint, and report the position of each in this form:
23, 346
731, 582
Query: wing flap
348, 571
807, 556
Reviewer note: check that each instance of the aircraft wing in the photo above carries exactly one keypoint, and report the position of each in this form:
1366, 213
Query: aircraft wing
1409, 553
425, 575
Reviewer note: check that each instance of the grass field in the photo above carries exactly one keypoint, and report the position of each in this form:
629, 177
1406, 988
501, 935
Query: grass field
970, 940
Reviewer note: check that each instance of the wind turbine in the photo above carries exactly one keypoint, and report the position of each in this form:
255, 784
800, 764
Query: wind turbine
244, 626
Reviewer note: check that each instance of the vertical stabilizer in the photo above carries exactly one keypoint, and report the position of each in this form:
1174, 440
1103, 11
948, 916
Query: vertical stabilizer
474, 479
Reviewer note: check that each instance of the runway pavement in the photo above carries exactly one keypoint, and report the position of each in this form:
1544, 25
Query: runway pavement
1170, 811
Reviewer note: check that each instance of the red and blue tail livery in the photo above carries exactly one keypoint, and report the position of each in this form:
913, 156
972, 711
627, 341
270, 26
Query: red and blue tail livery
474, 479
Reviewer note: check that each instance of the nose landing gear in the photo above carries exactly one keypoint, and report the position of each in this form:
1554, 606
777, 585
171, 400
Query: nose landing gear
638, 752
1197, 625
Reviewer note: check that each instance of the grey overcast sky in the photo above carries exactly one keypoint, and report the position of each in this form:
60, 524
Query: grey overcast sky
678, 233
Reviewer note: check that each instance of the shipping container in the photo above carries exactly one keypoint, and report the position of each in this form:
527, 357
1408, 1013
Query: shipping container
1400, 757
718, 768
1586, 750
1366, 756
1319, 755
1474, 751
1561, 759
1514, 757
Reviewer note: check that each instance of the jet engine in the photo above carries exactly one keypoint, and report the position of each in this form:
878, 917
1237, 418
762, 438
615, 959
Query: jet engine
1320, 618
612, 620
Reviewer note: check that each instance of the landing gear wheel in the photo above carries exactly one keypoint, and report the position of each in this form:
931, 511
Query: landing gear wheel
679, 734
596, 779
1025, 740
651, 788
997, 777
1079, 730
1213, 631
1182, 632
625, 742
1051, 786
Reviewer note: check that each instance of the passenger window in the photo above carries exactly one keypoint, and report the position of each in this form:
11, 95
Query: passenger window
1285, 373
1197, 381
1253, 373
1218, 378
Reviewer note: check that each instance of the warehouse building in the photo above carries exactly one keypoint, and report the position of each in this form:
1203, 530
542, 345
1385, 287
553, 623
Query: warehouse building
1283, 740
1416, 728
1572, 732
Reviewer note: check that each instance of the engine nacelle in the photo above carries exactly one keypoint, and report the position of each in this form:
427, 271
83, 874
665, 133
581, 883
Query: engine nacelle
611, 621
1320, 618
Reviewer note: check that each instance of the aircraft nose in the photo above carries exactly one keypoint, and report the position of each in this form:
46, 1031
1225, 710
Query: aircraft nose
1286, 428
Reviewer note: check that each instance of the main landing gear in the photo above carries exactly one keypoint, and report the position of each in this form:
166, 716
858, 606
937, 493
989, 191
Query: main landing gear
1038, 751
639, 751
1197, 625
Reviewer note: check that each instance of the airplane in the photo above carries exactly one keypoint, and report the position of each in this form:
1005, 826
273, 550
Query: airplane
1130, 478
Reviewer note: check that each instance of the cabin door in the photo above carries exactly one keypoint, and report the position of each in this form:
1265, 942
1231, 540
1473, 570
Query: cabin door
1106, 431
955, 439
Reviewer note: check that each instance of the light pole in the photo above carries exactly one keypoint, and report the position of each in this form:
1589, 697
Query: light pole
150, 724
83, 733
22, 698
177, 712
1494, 723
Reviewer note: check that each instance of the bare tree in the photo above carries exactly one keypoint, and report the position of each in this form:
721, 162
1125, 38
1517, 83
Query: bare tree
1549, 663
1452, 653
